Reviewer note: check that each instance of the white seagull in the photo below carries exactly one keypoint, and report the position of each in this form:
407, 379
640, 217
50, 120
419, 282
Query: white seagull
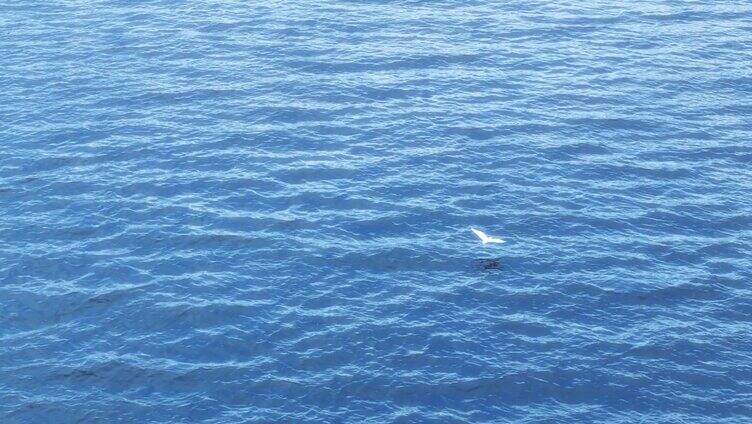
486, 238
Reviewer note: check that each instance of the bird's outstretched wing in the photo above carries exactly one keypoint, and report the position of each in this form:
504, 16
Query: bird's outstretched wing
484, 238
481, 235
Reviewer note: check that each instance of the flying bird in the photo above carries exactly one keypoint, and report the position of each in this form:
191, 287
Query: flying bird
486, 238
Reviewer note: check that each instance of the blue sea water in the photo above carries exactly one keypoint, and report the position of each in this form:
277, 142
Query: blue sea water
241, 212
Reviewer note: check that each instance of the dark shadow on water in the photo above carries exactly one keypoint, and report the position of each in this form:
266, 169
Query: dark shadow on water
489, 264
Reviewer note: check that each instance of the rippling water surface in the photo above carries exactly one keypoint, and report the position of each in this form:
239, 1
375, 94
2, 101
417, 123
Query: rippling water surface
236, 212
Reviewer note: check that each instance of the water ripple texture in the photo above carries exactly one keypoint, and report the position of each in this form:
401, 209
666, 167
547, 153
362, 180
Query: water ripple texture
247, 212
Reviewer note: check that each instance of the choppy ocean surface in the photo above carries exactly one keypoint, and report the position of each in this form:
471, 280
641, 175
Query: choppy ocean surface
239, 212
